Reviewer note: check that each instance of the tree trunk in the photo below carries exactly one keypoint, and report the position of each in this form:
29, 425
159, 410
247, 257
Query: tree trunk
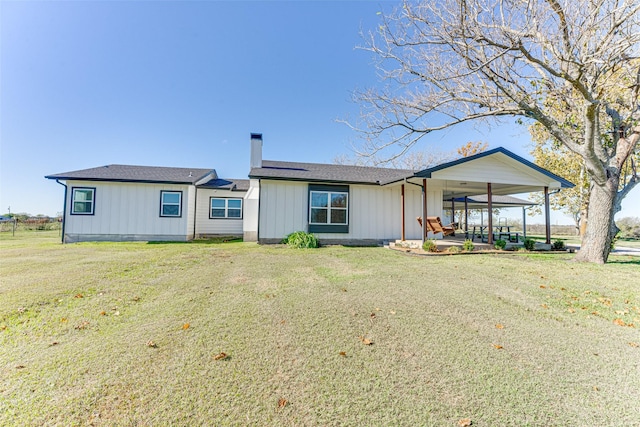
600, 230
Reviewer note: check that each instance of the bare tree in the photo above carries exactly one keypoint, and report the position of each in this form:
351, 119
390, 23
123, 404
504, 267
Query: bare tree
448, 62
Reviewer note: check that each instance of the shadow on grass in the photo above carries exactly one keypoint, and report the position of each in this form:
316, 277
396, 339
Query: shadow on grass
210, 241
624, 260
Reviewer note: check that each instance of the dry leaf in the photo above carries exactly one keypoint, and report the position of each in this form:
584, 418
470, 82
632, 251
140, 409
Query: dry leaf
634, 344
136, 298
543, 287
117, 313
621, 312
282, 402
64, 319
344, 289
465, 422
619, 322
82, 325
595, 388
366, 341
343, 354
78, 296
186, 326
373, 315
53, 343
103, 313
3, 327
20, 367
497, 346
499, 326
545, 306
152, 344
221, 356
21, 309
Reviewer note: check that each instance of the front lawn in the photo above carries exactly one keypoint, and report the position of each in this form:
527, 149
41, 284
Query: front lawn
133, 334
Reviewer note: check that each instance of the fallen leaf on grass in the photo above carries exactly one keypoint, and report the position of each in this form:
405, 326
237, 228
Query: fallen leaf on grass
82, 325
465, 422
366, 341
499, 326
53, 343
64, 319
543, 287
373, 315
221, 356
497, 346
622, 312
186, 326
152, 344
3, 327
78, 296
20, 367
282, 402
595, 388
619, 322
343, 354
103, 313
545, 306
21, 309
136, 298
634, 344
571, 310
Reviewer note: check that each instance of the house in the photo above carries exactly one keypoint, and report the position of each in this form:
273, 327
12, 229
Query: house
365, 205
123, 202
339, 203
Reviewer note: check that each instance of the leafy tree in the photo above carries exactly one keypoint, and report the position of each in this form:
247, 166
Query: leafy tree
453, 61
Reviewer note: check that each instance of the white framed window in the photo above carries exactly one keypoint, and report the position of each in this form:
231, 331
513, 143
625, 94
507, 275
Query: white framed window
83, 200
329, 207
225, 208
170, 203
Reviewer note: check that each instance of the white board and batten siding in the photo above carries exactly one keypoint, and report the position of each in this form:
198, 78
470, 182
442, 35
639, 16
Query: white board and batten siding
207, 226
129, 211
374, 211
495, 169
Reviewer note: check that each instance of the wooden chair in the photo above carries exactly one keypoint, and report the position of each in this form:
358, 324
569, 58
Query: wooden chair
435, 225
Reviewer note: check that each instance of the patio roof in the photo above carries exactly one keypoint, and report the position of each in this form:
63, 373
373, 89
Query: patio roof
481, 201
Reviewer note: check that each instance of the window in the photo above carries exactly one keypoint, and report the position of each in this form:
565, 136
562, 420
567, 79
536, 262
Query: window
171, 203
226, 208
328, 208
83, 201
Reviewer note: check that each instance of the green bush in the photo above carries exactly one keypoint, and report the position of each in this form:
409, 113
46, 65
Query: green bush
500, 244
301, 240
429, 245
453, 250
468, 245
529, 244
558, 245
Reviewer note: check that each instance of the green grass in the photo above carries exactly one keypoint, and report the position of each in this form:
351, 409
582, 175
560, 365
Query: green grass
285, 316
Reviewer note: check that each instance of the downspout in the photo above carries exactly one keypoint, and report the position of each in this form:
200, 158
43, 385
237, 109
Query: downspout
402, 212
64, 210
195, 212
259, 205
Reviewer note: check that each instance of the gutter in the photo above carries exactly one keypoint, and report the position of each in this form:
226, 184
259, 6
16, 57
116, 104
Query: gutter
64, 210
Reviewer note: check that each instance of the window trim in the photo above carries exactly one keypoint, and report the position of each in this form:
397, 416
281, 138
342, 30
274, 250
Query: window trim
226, 208
328, 227
73, 201
162, 192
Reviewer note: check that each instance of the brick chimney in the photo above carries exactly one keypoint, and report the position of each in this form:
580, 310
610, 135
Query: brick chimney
256, 150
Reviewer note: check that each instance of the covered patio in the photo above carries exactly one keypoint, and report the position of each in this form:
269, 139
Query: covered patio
486, 180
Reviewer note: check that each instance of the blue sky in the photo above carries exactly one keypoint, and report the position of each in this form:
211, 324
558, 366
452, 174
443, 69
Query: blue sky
184, 83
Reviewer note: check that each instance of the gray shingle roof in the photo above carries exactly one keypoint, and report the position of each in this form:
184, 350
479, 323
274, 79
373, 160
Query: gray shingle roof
317, 172
129, 173
227, 184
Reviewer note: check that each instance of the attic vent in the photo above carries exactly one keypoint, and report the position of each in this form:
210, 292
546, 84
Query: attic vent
190, 174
